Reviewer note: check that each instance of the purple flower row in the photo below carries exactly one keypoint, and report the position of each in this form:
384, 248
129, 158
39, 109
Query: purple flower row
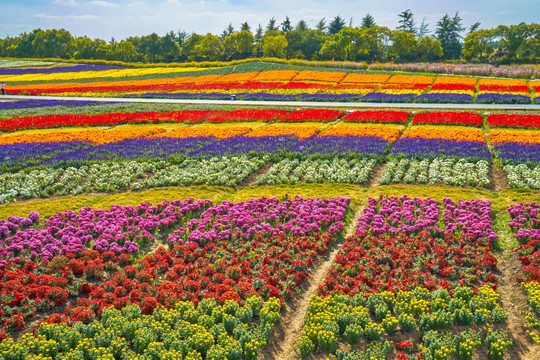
56, 69
268, 216
421, 148
26, 104
122, 229
518, 153
377, 97
393, 215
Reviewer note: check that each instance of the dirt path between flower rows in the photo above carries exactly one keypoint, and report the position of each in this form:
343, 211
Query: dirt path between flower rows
377, 175
499, 179
515, 303
289, 329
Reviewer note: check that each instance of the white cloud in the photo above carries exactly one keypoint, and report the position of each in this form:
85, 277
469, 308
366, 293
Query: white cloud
103, 3
66, 17
173, 2
65, 2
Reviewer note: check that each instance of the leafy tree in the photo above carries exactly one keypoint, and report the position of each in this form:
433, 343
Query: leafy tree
336, 25
53, 44
209, 48
477, 44
332, 50
428, 48
304, 44
286, 24
239, 45
403, 44
188, 48
406, 21
448, 33
169, 49
274, 46
125, 51
513, 38
368, 21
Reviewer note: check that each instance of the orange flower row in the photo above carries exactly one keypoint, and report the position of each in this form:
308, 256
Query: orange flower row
365, 78
299, 130
276, 75
202, 130
411, 79
503, 82
96, 136
444, 80
521, 136
456, 133
326, 76
387, 132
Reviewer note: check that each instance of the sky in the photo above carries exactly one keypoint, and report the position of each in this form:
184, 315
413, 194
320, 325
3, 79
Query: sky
119, 19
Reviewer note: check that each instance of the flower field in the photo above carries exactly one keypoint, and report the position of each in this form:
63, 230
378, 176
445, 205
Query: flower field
256, 82
196, 232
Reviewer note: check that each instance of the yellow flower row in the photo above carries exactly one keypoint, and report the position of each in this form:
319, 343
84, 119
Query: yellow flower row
96, 74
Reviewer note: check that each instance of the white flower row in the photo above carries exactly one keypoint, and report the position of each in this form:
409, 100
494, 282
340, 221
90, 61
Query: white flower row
102, 177
523, 176
447, 171
355, 171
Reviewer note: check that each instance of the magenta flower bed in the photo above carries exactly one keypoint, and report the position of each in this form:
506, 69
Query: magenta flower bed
268, 216
392, 215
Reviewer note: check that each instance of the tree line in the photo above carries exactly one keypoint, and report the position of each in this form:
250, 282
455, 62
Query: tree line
328, 40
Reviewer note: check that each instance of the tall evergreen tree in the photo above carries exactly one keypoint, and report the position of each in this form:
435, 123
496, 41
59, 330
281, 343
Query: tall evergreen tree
245, 26
448, 33
336, 25
406, 23
474, 27
321, 25
286, 24
228, 31
368, 21
302, 26
423, 29
271, 25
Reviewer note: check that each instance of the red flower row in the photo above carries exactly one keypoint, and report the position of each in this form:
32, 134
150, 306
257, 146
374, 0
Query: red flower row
453, 87
448, 117
504, 88
514, 120
369, 263
312, 115
386, 116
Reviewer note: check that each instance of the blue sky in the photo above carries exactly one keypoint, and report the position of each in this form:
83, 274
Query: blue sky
122, 18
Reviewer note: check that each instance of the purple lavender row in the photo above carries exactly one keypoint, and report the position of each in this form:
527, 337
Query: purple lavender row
57, 69
366, 145
140, 148
14, 157
393, 215
442, 98
518, 153
246, 145
27, 104
420, 148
